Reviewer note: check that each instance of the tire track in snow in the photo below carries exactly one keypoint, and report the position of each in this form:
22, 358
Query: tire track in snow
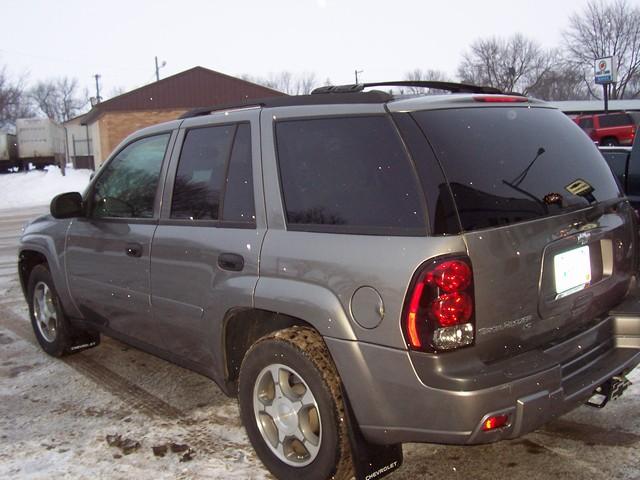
128, 392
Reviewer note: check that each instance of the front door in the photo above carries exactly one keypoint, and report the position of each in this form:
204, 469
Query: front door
108, 251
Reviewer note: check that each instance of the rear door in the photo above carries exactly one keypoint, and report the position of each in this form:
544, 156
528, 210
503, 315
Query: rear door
108, 251
206, 247
547, 231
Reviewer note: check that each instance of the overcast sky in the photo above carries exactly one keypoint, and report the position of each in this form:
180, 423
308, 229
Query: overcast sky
385, 39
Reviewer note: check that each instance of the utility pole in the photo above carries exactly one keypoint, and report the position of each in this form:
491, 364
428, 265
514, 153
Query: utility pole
98, 97
356, 71
158, 67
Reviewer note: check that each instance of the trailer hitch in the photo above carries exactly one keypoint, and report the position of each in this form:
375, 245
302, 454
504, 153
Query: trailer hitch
612, 389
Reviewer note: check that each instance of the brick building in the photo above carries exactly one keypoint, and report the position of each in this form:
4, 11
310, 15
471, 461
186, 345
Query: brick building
93, 136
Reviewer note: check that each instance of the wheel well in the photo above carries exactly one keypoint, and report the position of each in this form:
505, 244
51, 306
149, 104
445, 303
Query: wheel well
605, 139
242, 329
27, 261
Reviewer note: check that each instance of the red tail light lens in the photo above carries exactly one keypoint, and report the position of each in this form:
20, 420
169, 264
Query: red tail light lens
451, 276
452, 308
438, 312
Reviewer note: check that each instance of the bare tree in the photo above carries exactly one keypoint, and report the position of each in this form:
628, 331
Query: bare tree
513, 64
604, 29
286, 82
117, 91
59, 99
563, 82
305, 83
418, 74
14, 102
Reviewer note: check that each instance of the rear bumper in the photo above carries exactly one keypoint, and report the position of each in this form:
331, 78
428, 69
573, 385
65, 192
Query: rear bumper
392, 404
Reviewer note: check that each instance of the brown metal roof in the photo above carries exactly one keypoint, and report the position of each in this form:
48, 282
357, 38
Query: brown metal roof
196, 87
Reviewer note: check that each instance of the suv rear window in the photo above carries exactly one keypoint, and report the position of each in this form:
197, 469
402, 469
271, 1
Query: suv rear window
348, 175
508, 165
615, 120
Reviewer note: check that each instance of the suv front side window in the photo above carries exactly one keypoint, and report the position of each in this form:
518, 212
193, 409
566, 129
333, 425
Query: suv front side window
127, 187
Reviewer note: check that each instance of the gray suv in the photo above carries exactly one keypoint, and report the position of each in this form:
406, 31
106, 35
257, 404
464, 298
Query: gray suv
359, 269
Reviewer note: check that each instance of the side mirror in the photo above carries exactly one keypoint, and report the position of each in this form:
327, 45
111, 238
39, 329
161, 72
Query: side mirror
67, 205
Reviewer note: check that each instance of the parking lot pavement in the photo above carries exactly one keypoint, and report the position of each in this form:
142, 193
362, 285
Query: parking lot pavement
59, 417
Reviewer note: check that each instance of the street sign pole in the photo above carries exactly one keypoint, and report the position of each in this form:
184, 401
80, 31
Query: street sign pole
606, 73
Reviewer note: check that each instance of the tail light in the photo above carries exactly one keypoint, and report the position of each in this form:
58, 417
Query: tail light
439, 308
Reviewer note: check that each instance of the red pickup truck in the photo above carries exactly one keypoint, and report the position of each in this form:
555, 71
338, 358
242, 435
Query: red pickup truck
609, 129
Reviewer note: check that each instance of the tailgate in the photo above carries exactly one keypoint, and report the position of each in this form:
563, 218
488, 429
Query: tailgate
547, 230
539, 281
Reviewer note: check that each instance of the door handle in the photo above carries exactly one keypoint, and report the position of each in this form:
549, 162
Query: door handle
134, 250
231, 261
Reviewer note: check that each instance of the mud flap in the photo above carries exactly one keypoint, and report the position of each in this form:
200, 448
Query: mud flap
82, 340
370, 461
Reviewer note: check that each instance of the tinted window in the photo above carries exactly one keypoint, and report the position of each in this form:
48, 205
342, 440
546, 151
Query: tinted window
238, 198
507, 165
348, 175
201, 170
443, 218
586, 122
633, 178
615, 120
127, 186
618, 163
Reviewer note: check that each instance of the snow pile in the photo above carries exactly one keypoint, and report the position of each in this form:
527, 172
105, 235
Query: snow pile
37, 187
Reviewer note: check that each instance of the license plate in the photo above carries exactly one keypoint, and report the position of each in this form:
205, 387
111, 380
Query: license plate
572, 271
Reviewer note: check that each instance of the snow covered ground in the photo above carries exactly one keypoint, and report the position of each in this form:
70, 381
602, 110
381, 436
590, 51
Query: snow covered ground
61, 418
38, 187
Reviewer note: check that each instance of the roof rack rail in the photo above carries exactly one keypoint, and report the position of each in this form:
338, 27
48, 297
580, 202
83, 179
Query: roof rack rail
293, 100
201, 111
448, 86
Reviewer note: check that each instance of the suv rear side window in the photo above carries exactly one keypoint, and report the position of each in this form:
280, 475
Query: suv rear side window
127, 186
348, 175
615, 120
507, 165
586, 122
214, 175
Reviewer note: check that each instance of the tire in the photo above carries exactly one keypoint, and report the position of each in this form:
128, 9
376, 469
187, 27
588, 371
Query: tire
610, 142
55, 334
303, 366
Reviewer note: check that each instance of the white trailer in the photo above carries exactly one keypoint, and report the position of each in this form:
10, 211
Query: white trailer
41, 142
8, 151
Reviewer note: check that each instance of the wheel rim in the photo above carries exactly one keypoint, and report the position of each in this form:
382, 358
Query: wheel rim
287, 415
44, 312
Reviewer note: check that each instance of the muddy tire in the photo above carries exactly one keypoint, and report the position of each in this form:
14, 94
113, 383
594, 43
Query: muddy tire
292, 407
51, 327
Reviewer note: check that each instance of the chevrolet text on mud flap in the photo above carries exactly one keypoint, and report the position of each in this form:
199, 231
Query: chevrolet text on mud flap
426, 228
383, 471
